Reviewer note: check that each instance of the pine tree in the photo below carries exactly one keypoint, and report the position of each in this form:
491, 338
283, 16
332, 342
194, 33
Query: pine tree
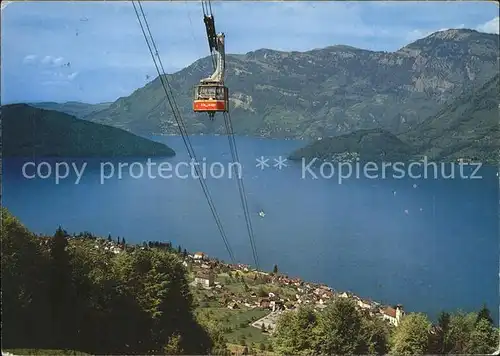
485, 314
275, 269
60, 283
109, 238
179, 249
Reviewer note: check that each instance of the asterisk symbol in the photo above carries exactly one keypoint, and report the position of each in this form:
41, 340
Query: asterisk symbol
280, 162
262, 162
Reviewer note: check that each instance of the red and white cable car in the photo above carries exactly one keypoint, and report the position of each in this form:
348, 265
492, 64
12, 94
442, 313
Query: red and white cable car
211, 96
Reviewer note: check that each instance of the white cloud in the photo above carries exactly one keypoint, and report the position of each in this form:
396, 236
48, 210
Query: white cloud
58, 60
54, 83
30, 58
53, 61
72, 75
490, 26
46, 60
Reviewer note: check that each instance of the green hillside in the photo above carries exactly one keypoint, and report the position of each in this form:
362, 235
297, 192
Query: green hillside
466, 128
28, 131
366, 145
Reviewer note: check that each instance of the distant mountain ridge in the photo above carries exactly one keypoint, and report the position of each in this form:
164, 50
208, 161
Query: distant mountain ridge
29, 131
467, 128
74, 108
323, 92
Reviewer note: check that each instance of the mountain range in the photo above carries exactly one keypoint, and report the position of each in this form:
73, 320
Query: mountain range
73, 108
323, 92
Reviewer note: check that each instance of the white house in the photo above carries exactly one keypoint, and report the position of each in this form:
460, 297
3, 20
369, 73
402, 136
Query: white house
276, 305
394, 316
363, 304
205, 278
199, 256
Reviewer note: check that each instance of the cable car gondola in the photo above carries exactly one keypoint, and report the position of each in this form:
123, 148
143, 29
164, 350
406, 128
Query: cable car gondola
211, 96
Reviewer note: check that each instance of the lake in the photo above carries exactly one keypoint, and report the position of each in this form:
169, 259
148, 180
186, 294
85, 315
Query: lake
429, 244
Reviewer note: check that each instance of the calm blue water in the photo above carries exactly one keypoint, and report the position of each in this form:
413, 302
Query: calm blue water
426, 243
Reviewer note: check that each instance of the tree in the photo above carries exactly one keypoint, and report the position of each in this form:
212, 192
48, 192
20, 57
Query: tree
293, 334
483, 339
184, 253
438, 343
61, 294
374, 336
66, 294
485, 314
263, 328
219, 342
262, 346
123, 241
109, 238
25, 310
251, 349
173, 346
275, 269
459, 331
411, 337
261, 292
339, 328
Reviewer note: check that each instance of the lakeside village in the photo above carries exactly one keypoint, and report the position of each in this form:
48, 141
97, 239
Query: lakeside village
287, 293
239, 287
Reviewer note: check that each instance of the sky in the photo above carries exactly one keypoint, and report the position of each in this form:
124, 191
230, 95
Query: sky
95, 51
